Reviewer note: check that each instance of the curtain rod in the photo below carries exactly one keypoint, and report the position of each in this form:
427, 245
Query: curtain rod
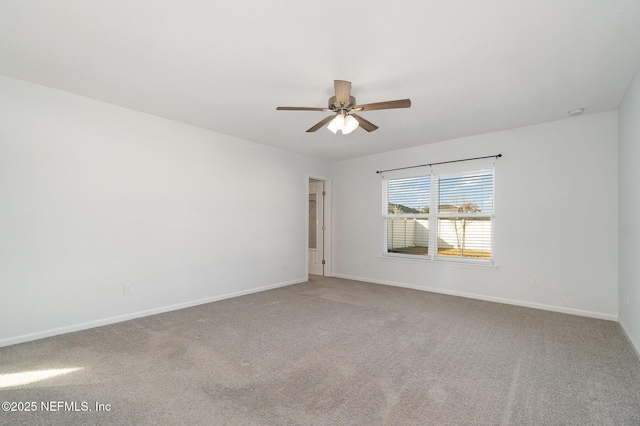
442, 162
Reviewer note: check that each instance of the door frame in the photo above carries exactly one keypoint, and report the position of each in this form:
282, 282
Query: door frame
327, 225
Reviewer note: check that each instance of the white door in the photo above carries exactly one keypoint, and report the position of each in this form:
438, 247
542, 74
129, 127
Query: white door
316, 225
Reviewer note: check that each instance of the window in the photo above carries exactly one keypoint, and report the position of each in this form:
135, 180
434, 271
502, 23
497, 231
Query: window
440, 214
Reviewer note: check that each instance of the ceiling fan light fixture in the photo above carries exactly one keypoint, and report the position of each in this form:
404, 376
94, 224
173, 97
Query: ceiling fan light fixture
344, 106
337, 123
350, 124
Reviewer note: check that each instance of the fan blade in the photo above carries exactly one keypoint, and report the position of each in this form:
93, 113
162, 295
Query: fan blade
343, 91
403, 103
320, 124
365, 124
301, 109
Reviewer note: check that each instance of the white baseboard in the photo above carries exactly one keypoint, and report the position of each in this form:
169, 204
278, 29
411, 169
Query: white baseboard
120, 318
515, 302
624, 331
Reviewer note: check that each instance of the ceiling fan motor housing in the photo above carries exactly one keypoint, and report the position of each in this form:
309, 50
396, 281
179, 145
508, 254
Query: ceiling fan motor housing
334, 105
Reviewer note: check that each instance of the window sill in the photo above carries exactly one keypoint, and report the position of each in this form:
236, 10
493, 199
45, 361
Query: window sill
468, 264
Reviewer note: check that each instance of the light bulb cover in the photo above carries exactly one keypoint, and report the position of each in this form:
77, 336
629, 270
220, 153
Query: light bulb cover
336, 124
350, 124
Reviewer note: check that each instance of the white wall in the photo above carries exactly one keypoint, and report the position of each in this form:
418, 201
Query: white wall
94, 196
556, 218
629, 236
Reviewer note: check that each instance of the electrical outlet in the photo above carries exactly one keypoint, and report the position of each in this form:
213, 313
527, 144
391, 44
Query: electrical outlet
536, 281
128, 289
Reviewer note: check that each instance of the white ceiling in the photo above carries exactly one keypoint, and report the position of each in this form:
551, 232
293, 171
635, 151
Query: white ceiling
469, 67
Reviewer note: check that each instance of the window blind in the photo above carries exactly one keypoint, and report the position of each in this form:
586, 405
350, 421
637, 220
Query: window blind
451, 211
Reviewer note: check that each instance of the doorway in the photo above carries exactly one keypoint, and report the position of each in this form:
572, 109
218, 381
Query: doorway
317, 228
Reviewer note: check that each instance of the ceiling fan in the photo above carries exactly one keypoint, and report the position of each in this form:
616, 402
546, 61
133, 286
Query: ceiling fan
345, 107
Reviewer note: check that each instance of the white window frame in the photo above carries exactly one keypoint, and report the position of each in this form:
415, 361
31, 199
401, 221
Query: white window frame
436, 172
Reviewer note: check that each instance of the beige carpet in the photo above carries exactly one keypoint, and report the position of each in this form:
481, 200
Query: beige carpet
332, 352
